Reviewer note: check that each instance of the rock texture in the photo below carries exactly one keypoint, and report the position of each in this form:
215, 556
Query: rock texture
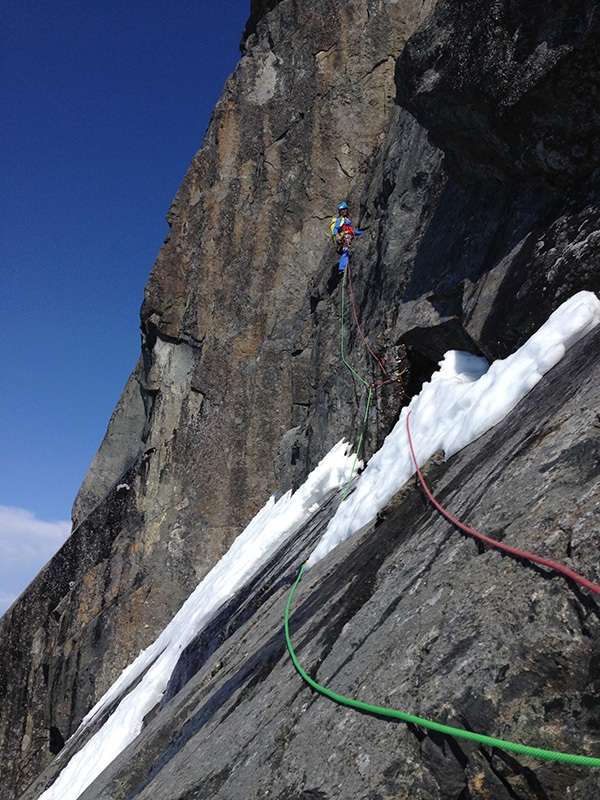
465, 138
410, 614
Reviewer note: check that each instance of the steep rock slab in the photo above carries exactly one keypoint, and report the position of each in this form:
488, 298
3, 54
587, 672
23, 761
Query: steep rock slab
412, 614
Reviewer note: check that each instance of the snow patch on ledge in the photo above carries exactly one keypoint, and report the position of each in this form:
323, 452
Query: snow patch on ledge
460, 403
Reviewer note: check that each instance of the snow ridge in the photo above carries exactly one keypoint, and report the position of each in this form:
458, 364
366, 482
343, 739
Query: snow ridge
460, 403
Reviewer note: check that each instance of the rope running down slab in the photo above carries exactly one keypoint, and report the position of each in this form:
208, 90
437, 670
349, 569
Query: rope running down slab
447, 730
514, 551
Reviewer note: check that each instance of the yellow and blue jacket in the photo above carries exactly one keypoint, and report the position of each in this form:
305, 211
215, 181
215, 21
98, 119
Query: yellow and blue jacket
336, 224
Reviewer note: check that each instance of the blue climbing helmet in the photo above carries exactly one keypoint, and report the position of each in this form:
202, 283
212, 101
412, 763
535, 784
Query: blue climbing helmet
343, 207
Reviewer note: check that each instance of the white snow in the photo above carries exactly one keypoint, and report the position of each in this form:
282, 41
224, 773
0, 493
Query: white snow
269, 529
463, 400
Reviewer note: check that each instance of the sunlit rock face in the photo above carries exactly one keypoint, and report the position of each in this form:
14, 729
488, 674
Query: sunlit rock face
464, 136
225, 369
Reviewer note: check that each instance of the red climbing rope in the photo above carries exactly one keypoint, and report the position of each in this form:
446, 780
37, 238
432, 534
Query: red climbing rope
569, 573
362, 336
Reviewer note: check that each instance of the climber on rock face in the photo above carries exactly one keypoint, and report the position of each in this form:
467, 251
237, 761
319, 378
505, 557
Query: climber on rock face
343, 233
341, 224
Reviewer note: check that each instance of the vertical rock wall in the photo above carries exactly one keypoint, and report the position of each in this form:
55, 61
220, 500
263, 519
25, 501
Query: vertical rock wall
465, 137
225, 371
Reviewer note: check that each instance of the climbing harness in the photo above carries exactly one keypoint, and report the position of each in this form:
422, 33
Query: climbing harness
345, 246
345, 225
447, 730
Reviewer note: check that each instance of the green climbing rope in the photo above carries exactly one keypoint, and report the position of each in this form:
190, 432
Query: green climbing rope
362, 380
447, 730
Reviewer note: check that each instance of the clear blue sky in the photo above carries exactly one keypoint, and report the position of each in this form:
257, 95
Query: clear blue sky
103, 107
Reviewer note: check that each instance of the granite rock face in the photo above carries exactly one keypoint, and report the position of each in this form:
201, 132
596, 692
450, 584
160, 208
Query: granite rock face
414, 615
465, 138
509, 89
